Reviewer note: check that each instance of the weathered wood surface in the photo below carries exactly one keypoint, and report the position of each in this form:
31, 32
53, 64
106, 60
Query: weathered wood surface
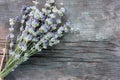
91, 54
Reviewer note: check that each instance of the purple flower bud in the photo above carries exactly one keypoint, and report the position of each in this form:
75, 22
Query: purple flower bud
62, 9
54, 10
35, 23
52, 16
31, 13
12, 36
51, 1
58, 21
38, 14
47, 5
11, 29
53, 39
60, 13
28, 38
11, 21
49, 34
49, 21
60, 30
28, 23
35, 39
55, 36
22, 46
44, 45
35, 2
68, 23
22, 21
54, 26
21, 28
11, 44
24, 16
37, 47
17, 18
31, 31
23, 8
45, 27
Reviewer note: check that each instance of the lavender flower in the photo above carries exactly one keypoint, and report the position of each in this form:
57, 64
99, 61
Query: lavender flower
44, 46
62, 9
35, 23
67, 23
44, 28
39, 29
46, 11
54, 26
32, 32
34, 39
21, 28
49, 34
24, 8
12, 22
24, 16
12, 35
51, 1
37, 47
22, 46
51, 43
54, 10
56, 36
29, 22
67, 27
11, 29
60, 13
35, 2
58, 21
22, 21
31, 14
60, 30
11, 44
28, 38
47, 5
38, 14
52, 16
33, 8
49, 21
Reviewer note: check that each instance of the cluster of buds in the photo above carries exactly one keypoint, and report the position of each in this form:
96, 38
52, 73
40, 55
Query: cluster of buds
39, 29
11, 35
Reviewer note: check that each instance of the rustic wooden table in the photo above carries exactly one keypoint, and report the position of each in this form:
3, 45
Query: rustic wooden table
91, 54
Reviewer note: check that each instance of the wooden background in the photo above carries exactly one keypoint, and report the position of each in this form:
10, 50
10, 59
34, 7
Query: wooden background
93, 53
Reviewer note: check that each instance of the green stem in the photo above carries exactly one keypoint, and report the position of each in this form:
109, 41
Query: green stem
5, 72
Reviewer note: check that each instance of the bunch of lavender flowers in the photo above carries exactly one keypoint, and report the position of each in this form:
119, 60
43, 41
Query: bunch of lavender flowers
39, 29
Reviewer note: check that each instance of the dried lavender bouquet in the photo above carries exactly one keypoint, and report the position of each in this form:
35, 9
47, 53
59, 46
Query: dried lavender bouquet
39, 29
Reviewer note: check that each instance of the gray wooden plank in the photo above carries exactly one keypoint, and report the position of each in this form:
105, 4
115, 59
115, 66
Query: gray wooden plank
70, 64
93, 53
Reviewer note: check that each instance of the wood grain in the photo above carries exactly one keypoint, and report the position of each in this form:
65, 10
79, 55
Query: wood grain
84, 61
93, 53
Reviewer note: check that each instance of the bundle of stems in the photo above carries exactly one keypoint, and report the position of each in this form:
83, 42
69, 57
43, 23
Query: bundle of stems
38, 30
